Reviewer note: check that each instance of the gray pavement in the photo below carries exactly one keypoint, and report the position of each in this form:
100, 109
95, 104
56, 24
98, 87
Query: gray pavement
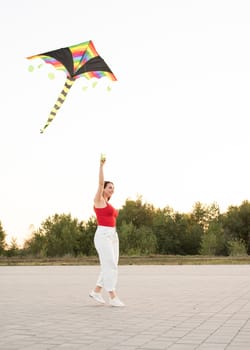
167, 307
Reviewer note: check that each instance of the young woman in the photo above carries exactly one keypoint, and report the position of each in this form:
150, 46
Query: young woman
106, 241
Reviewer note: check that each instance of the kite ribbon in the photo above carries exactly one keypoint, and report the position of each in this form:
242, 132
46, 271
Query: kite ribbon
69, 82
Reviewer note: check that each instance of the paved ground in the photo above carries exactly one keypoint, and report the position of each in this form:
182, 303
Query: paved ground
167, 307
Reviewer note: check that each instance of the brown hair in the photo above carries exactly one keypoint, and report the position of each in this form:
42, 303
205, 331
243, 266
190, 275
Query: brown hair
106, 184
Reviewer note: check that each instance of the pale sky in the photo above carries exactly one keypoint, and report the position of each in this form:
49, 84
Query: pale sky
175, 127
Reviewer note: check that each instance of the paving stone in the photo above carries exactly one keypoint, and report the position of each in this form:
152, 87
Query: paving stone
206, 346
167, 307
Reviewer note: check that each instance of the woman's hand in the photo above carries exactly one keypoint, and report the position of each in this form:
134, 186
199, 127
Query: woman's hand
102, 159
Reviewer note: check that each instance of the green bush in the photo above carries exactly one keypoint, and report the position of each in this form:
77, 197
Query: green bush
237, 247
208, 244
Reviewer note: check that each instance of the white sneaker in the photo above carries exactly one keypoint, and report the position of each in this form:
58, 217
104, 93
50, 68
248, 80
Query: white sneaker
116, 302
97, 297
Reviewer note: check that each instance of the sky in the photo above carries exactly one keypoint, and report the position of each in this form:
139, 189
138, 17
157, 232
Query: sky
174, 127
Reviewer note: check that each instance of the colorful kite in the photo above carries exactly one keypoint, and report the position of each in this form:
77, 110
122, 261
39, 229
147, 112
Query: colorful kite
76, 61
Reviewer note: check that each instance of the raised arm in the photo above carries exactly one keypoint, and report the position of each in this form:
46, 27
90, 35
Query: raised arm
99, 200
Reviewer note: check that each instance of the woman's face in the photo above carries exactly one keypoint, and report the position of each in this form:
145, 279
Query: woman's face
109, 189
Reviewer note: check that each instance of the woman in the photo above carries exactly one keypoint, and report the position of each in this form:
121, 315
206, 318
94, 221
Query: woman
106, 241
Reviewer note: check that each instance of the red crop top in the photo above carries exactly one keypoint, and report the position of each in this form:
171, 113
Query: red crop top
106, 216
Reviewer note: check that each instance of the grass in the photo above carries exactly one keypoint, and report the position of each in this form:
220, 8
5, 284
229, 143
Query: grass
128, 260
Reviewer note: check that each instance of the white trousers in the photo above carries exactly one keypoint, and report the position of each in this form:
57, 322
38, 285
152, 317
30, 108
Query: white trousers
107, 245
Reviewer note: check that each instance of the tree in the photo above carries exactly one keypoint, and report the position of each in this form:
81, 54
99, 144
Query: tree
237, 247
176, 233
236, 223
164, 229
208, 244
62, 235
136, 241
204, 214
36, 245
136, 212
58, 236
86, 238
213, 240
144, 229
13, 248
2, 239
189, 234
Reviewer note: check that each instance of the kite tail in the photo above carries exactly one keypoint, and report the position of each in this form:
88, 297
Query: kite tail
69, 82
